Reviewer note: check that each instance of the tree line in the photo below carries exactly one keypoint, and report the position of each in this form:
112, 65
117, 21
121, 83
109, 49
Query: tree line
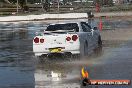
46, 3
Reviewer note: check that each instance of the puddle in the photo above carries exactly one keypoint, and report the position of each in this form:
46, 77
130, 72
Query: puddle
20, 69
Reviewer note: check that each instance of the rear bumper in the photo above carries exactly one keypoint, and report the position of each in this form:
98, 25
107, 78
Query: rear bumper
44, 53
44, 49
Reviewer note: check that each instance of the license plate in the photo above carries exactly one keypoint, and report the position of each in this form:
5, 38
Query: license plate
56, 50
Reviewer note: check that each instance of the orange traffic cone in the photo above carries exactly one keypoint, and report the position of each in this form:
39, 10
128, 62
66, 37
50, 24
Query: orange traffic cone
100, 25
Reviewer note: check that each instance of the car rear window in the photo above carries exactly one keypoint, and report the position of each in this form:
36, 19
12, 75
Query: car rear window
65, 27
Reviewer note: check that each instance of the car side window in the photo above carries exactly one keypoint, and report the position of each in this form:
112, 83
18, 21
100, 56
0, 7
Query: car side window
88, 27
85, 27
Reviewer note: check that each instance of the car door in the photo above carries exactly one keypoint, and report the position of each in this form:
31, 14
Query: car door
96, 32
88, 35
94, 35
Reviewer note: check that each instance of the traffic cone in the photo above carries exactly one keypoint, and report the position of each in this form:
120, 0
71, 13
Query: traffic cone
100, 25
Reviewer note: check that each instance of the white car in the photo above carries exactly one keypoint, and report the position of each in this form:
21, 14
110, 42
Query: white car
67, 38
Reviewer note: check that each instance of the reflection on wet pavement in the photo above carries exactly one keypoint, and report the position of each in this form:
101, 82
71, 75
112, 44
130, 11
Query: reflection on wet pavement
20, 69
111, 65
49, 74
16, 77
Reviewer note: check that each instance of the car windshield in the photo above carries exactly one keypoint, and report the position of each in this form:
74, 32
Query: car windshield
63, 27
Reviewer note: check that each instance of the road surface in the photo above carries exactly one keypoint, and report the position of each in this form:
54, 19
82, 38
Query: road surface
19, 68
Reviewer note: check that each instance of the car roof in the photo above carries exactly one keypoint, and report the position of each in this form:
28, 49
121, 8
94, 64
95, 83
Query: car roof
69, 21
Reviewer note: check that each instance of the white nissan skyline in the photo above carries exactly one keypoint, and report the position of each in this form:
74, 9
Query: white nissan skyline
67, 38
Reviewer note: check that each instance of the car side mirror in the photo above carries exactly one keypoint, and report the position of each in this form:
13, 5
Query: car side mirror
95, 28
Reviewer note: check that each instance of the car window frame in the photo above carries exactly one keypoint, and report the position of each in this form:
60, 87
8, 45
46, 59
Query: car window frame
84, 25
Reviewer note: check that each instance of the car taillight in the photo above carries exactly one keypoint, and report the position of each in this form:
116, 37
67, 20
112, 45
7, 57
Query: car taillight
74, 37
42, 40
68, 38
36, 40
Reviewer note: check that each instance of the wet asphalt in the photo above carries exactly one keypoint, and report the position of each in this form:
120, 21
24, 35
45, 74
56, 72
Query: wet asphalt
19, 68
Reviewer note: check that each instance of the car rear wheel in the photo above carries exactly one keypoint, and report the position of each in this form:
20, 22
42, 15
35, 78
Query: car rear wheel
99, 42
98, 50
43, 58
85, 49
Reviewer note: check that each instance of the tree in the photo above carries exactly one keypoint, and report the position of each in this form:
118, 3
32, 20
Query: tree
7, 1
22, 3
104, 2
46, 5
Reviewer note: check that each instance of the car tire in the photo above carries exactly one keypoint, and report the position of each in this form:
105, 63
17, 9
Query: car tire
99, 41
76, 56
43, 58
98, 49
85, 49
